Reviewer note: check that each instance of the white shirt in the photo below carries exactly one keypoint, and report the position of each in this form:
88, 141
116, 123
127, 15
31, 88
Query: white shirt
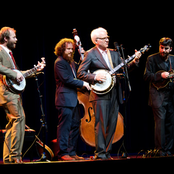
105, 56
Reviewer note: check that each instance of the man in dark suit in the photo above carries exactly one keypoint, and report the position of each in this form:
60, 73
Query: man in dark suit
105, 106
161, 100
66, 100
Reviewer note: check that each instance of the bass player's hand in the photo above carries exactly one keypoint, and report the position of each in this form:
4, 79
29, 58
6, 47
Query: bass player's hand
86, 84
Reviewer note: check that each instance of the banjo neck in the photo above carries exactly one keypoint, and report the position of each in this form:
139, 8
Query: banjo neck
142, 50
120, 65
31, 71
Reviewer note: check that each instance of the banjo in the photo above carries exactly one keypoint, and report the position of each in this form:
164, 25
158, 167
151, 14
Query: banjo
104, 87
18, 87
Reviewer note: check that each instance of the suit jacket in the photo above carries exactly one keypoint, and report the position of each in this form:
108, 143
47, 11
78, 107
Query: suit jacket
66, 83
155, 63
6, 66
93, 61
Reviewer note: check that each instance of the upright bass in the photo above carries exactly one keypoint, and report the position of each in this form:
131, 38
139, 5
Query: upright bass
88, 121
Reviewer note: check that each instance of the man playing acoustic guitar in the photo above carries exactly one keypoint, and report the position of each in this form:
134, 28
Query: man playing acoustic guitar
161, 93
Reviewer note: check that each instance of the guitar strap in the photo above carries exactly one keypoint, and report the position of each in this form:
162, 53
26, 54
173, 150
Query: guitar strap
170, 64
110, 59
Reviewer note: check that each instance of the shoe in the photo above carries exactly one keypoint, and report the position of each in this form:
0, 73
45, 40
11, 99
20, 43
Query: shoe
21, 161
17, 161
110, 158
100, 158
66, 158
169, 154
162, 153
76, 157
7, 162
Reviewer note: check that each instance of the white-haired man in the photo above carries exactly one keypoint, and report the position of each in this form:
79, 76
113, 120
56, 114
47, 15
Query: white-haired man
105, 106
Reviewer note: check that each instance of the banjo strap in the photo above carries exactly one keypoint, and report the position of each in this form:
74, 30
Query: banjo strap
110, 59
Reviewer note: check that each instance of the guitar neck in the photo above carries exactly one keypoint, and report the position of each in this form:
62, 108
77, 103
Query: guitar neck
30, 72
121, 65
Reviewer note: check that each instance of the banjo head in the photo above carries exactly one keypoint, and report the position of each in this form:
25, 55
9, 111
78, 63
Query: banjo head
103, 87
20, 86
16, 87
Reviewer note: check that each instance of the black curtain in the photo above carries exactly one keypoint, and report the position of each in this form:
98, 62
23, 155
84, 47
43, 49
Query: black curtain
40, 28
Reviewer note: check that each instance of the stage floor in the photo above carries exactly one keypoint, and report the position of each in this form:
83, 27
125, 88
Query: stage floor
127, 164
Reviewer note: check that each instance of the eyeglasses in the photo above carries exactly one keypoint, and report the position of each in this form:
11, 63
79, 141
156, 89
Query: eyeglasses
103, 38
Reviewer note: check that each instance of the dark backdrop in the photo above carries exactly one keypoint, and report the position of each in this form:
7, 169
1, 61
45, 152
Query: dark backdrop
40, 27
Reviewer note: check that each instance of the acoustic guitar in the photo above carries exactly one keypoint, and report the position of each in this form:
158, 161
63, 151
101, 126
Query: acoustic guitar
48, 152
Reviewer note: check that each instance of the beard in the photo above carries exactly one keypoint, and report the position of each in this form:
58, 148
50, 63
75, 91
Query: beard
11, 45
69, 58
164, 55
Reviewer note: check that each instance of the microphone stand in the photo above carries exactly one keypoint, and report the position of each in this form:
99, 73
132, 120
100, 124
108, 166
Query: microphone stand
126, 79
42, 120
125, 68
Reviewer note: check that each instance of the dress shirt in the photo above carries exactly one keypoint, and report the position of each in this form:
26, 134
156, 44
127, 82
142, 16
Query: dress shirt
105, 56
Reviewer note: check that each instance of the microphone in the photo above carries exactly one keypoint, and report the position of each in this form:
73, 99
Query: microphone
40, 72
117, 48
36, 74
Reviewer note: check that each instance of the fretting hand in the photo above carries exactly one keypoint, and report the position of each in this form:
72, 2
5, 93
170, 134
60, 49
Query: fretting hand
41, 64
137, 56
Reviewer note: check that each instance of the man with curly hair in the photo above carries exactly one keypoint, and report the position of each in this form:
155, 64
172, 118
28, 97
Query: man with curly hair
66, 100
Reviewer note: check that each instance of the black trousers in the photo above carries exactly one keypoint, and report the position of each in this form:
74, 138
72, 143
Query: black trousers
106, 114
67, 130
164, 126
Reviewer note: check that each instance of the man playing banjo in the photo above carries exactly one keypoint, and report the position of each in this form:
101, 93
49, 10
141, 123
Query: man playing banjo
105, 106
11, 102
